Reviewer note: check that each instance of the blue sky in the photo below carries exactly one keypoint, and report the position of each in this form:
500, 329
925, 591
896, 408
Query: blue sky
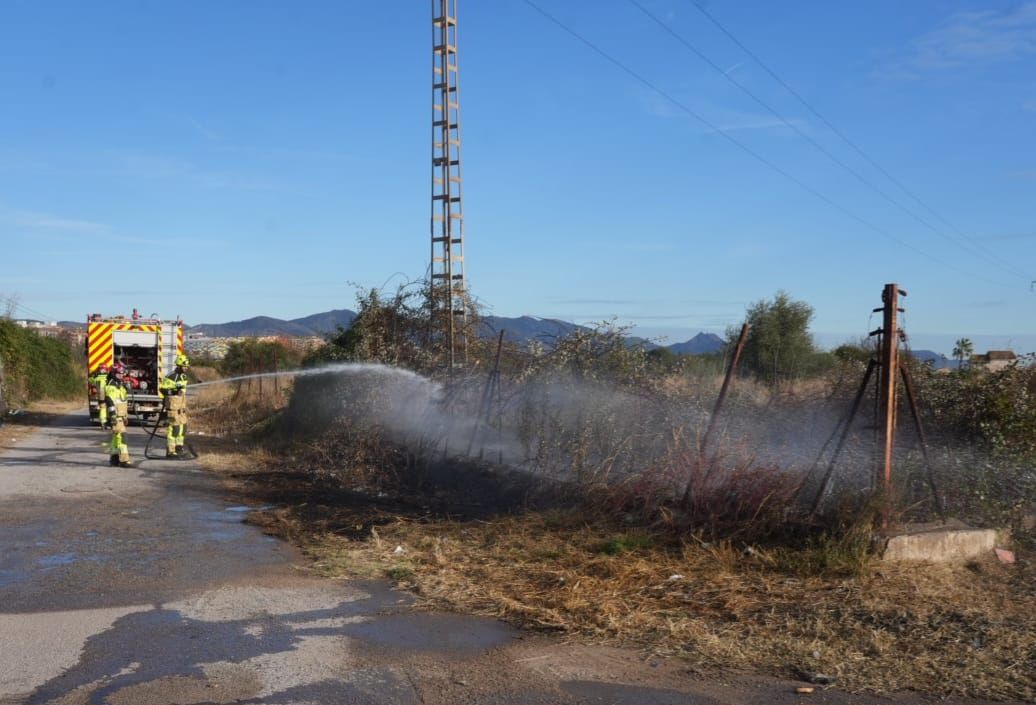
223, 160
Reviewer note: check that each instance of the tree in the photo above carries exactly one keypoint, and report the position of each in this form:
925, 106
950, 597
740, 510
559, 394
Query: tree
389, 330
962, 350
251, 356
779, 346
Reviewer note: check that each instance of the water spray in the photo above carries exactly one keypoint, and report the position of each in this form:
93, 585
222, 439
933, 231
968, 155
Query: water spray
337, 368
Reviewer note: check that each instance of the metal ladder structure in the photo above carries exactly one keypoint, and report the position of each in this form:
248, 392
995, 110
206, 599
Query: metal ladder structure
448, 286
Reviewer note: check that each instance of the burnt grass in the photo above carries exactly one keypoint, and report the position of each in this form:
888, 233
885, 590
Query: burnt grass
497, 543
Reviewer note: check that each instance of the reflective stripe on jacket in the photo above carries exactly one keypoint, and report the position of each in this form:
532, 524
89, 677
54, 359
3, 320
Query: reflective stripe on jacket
173, 384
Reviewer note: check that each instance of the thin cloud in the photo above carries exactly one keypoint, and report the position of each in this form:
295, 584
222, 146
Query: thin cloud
37, 221
1024, 174
204, 131
749, 250
752, 122
726, 119
648, 246
58, 228
1013, 236
974, 38
161, 168
600, 302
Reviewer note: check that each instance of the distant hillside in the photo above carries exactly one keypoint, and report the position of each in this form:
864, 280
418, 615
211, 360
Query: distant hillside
253, 327
526, 329
701, 344
521, 329
327, 322
936, 360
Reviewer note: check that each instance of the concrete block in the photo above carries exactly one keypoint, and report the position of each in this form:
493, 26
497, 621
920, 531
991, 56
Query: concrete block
939, 544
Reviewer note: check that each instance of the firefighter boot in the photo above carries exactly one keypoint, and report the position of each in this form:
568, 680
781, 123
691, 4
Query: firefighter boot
180, 454
113, 460
124, 458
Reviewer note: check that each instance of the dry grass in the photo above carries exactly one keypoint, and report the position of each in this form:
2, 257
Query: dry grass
936, 629
819, 609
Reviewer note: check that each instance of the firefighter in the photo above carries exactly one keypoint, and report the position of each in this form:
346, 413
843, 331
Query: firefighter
174, 395
118, 415
99, 380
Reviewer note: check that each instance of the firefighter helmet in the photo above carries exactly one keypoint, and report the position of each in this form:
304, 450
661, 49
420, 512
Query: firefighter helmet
102, 368
182, 361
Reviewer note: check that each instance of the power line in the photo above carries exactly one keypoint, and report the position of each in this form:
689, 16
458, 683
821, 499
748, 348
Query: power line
773, 74
748, 150
13, 303
968, 247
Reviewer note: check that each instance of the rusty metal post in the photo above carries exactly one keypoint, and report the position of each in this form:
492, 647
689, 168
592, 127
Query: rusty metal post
731, 370
888, 390
487, 392
845, 434
908, 384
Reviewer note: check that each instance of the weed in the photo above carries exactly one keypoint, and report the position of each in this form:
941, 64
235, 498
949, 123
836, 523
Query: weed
400, 573
627, 542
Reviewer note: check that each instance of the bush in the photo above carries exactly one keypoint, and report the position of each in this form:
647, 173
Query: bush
38, 367
995, 411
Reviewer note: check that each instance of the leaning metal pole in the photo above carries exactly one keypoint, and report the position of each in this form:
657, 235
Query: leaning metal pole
703, 446
845, 435
915, 412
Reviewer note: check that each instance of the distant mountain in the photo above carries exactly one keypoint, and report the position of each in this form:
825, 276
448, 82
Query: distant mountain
253, 327
521, 329
525, 329
327, 322
701, 344
75, 325
936, 360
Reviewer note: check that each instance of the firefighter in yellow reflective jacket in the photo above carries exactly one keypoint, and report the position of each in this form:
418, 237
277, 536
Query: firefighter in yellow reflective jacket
174, 393
99, 380
118, 415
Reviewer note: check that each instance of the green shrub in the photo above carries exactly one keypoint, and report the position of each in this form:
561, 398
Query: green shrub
627, 542
994, 410
38, 367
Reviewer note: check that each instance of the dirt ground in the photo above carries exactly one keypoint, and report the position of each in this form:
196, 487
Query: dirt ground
22, 422
719, 610
145, 585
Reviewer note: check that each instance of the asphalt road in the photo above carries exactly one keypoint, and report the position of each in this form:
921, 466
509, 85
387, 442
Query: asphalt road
142, 586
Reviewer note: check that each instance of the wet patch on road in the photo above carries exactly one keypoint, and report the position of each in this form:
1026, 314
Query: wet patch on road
242, 644
92, 554
452, 633
619, 694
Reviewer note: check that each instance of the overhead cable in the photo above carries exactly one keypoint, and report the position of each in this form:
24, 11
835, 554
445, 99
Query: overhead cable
989, 253
751, 152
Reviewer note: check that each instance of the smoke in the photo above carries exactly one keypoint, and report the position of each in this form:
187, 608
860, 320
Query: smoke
574, 428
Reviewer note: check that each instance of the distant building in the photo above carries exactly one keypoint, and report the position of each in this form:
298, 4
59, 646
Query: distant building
212, 348
994, 360
216, 348
52, 329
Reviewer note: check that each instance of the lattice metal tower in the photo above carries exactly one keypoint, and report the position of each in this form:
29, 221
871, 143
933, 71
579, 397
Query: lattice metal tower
449, 309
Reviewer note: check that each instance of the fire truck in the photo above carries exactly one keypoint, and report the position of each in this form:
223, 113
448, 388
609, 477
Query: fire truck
147, 347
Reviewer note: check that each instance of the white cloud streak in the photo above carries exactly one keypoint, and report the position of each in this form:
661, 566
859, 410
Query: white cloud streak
974, 38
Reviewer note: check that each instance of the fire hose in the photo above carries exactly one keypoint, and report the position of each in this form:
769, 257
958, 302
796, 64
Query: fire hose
164, 416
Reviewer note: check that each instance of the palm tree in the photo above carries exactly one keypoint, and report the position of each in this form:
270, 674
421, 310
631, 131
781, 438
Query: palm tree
962, 350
